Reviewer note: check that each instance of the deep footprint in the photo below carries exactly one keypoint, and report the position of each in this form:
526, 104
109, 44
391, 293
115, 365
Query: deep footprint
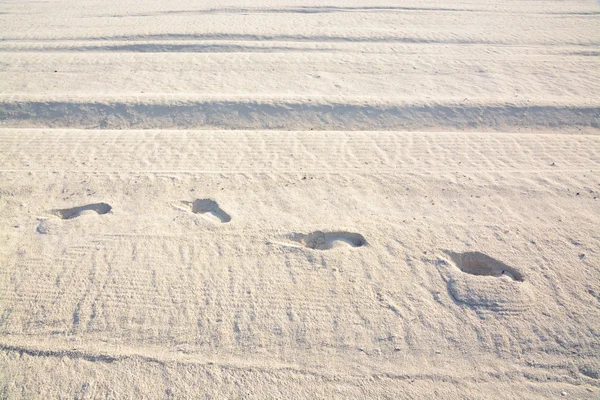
208, 206
328, 240
70, 213
476, 263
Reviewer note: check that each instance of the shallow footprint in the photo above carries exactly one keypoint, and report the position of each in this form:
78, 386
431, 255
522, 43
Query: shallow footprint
209, 207
328, 240
476, 263
70, 213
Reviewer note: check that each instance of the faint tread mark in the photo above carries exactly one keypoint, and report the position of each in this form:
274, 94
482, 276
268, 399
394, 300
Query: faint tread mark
476, 263
328, 240
591, 371
59, 353
70, 213
210, 207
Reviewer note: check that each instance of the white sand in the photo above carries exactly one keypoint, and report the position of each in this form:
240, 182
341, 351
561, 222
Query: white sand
340, 199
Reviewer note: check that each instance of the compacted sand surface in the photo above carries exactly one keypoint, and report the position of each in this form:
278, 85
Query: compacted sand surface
316, 199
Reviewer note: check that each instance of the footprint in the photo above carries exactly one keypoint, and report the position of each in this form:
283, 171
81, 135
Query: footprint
485, 284
328, 240
210, 209
70, 213
476, 263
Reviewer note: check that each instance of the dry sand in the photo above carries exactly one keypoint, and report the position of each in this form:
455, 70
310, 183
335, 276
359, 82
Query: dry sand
316, 199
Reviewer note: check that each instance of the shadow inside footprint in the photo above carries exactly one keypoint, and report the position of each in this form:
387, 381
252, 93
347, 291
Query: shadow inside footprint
476, 263
328, 240
208, 206
69, 213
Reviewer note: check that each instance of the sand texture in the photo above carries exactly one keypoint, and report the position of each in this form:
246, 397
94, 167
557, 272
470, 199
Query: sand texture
300, 199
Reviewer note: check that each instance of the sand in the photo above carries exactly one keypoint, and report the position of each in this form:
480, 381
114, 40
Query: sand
317, 199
